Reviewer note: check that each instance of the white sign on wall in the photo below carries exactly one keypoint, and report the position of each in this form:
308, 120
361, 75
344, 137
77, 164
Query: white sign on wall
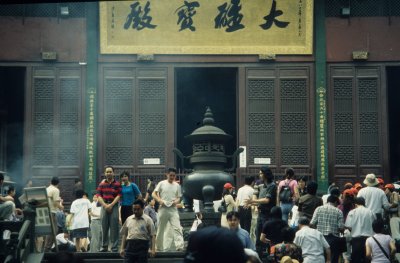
262, 160
151, 161
243, 158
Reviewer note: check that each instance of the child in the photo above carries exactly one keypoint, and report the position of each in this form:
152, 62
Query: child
80, 209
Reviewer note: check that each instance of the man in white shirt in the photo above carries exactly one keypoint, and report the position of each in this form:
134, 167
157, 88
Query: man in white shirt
95, 225
168, 194
312, 243
359, 222
375, 197
55, 204
245, 193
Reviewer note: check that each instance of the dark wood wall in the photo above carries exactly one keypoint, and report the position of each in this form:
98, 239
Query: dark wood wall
275, 101
357, 122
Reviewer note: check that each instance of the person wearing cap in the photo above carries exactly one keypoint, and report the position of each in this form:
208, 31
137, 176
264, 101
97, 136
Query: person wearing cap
357, 186
381, 183
6, 202
265, 201
392, 196
359, 222
375, 197
287, 259
229, 202
312, 243
168, 194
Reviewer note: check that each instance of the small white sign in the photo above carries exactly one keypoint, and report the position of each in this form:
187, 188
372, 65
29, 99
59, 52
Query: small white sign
243, 158
262, 160
151, 161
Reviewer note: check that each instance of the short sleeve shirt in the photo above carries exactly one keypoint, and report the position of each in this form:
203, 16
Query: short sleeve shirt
53, 195
80, 208
267, 191
109, 191
168, 191
129, 194
138, 228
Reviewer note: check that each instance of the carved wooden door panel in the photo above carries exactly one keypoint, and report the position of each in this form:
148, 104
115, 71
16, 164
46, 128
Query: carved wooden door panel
279, 118
133, 117
355, 121
55, 123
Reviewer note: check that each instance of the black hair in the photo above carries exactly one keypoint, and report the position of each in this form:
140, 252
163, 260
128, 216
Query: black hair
333, 199
335, 191
276, 212
312, 188
289, 172
359, 201
231, 214
79, 193
171, 169
55, 180
77, 180
139, 202
212, 244
303, 178
378, 226
124, 173
304, 221
1, 176
249, 179
288, 234
266, 171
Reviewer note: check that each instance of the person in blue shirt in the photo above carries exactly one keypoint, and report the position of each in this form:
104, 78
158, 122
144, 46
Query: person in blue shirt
130, 193
233, 218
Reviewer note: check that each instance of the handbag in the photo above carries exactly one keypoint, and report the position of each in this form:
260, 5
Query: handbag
222, 208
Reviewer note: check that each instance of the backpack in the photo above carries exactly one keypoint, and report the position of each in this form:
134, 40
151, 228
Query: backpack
285, 195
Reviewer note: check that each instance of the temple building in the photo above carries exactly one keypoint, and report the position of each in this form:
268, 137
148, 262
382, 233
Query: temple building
311, 85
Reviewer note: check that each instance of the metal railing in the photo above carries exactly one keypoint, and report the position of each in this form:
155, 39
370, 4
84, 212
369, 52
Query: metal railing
18, 247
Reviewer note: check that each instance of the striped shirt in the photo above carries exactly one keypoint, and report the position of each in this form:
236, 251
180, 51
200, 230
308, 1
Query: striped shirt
109, 191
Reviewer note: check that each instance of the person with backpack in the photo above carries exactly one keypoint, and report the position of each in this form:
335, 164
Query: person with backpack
285, 193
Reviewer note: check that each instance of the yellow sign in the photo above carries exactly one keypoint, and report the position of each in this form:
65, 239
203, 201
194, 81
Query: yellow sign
206, 27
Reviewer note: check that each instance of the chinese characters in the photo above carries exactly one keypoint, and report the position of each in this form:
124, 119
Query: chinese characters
138, 18
185, 14
271, 18
229, 16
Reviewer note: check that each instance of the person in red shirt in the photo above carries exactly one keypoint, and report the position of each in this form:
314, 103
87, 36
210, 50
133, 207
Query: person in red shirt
108, 194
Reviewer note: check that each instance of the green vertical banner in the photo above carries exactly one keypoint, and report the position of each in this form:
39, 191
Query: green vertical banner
90, 173
322, 148
321, 97
92, 19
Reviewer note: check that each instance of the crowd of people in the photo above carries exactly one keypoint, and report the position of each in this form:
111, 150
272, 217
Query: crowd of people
283, 220
351, 223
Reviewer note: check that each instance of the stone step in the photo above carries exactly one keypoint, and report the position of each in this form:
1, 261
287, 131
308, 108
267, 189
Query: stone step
108, 257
